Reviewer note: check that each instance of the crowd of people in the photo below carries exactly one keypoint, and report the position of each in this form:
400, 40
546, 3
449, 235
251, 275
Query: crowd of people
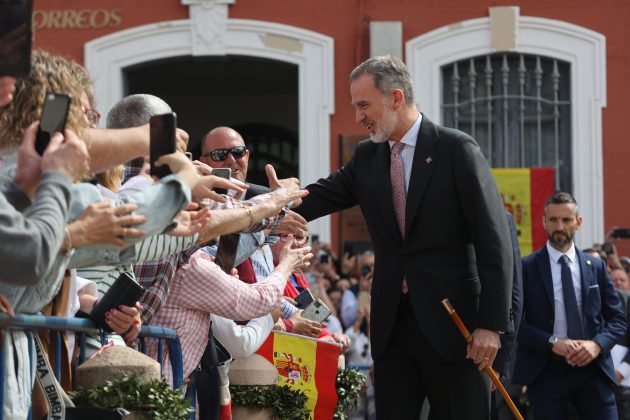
87, 211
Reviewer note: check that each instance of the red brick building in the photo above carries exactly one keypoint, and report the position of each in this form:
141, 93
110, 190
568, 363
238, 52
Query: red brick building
277, 70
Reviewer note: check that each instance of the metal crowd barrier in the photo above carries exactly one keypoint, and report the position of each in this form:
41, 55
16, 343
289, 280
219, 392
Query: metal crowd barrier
82, 327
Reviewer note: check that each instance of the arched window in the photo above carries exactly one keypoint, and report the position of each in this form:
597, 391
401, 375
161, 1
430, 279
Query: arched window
517, 106
581, 51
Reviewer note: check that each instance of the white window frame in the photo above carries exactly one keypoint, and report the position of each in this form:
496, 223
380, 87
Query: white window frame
583, 48
313, 53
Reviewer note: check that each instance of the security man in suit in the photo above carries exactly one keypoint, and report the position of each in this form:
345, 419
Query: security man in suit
572, 318
439, 231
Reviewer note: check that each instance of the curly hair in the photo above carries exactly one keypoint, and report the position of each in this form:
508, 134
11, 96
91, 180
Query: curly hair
49, 73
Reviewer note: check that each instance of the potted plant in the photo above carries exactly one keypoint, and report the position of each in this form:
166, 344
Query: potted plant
146, 400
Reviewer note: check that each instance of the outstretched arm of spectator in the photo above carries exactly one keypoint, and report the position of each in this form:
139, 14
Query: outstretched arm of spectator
111, 147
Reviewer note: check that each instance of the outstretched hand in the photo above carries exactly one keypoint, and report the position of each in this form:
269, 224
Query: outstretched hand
290, 184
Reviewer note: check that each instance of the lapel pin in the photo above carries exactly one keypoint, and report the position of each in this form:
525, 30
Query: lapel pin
428, 160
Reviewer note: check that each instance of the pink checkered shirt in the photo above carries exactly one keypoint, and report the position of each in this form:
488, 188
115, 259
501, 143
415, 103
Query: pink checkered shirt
199, 289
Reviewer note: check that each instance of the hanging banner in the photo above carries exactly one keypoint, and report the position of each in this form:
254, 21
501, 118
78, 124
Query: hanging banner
308, 365
524, 193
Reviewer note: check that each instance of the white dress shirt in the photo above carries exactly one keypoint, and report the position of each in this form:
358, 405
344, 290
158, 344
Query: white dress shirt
409, 139
560, 318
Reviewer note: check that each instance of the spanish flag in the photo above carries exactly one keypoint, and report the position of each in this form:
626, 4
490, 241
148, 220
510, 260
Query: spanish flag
524, 193
308, 365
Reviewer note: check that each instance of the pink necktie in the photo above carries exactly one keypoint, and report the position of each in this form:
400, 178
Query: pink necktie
399, 196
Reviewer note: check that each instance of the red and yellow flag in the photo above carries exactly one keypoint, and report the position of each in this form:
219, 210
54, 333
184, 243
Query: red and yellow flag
308, 365
524, 193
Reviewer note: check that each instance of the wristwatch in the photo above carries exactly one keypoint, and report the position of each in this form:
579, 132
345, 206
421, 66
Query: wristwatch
552, 340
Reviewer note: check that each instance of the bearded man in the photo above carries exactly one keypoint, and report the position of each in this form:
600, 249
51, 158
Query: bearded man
439, 231
572, 317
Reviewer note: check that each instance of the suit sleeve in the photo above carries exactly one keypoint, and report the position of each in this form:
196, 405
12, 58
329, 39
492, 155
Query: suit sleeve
485, 218
332, 194
612, 312
504, 354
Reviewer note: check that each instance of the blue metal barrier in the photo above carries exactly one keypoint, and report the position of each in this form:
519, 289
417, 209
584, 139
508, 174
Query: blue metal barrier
82, 327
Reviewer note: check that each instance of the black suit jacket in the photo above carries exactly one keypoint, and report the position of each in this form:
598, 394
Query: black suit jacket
456, 246
503, 361
254, 189
603, 316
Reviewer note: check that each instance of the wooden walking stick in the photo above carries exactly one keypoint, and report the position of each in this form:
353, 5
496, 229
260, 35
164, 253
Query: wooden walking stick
493, 376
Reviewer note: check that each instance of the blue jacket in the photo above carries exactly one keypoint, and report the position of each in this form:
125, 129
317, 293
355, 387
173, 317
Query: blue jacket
603, 316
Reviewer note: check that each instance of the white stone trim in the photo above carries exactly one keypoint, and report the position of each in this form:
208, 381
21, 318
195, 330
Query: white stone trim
583, 48
313, 53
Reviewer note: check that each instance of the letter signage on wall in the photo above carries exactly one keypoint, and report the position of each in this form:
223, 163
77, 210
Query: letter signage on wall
76, 19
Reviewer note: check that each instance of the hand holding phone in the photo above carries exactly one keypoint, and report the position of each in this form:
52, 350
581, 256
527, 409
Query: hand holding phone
163, 141
53, 119
125, 291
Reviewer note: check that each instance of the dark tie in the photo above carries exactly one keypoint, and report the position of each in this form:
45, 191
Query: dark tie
399, 195
574, 325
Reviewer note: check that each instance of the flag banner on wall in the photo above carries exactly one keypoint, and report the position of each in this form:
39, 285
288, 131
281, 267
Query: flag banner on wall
524, 193
308, 365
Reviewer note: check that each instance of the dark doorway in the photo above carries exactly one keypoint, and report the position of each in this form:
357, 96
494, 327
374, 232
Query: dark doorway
257, 97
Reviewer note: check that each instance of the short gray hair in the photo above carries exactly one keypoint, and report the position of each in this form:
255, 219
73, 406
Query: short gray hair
135, 110
389, 73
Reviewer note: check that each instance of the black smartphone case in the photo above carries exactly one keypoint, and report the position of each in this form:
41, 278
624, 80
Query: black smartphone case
226, 252
125, 291
163, 130
304, 299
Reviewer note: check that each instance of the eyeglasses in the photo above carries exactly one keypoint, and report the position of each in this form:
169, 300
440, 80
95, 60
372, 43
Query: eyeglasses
92, 116
219, 155
299, 240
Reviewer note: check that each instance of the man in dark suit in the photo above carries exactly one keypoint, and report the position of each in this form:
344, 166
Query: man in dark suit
439, 231
504, 362
572, 318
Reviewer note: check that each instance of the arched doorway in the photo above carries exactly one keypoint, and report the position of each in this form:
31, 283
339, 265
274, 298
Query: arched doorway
107, 58
257, 97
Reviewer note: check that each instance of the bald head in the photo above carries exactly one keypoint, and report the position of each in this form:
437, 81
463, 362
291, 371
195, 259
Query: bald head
225, 138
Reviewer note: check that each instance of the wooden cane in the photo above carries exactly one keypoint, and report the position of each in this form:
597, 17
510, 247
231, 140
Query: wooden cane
493, 376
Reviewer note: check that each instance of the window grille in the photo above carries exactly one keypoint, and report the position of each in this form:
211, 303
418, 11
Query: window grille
517, 107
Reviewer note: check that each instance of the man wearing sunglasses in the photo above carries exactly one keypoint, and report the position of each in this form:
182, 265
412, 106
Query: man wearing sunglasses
223, 147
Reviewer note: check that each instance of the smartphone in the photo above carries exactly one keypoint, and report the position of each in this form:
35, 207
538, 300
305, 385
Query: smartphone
54, 116
316, 311
16, 36
324, 258
226, 252
304, 299
222, 173
125, 291
621, 233
163, 141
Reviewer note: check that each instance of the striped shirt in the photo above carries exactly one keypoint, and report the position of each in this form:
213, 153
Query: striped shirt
200, 289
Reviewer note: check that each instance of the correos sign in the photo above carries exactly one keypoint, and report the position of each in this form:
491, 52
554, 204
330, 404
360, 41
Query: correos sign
76, 19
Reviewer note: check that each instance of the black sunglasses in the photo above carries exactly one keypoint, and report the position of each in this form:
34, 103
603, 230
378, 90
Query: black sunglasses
219, 155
